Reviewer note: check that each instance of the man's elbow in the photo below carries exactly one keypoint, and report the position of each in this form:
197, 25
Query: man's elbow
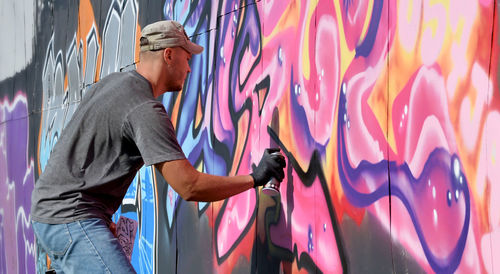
183, 178
187, 194
191, 196
194, 194
191, 192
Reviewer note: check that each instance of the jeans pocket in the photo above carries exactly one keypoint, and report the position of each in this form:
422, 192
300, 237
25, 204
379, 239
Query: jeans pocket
55, 238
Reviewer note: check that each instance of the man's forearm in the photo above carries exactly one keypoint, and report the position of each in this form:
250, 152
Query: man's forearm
193, 185
209, 188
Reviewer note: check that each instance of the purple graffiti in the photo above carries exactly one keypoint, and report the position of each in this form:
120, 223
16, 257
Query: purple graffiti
17, 254
443, 243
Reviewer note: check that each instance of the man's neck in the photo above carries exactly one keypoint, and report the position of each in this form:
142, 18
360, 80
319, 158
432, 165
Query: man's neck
148, 73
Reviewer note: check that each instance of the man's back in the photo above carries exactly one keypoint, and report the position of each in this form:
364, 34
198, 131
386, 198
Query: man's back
94, 160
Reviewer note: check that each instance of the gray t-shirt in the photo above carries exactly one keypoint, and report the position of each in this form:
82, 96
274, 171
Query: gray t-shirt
117, 128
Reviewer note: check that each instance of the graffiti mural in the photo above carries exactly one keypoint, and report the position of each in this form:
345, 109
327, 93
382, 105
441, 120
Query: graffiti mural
388, 113
17, 253
67, 73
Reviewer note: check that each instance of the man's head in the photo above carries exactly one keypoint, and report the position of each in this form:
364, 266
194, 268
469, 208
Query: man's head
165, 52
167, 34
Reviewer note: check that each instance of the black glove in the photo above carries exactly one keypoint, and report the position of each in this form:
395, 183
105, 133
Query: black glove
269, 166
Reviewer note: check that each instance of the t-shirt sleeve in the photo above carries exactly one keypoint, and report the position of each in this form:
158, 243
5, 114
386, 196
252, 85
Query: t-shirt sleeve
149, 126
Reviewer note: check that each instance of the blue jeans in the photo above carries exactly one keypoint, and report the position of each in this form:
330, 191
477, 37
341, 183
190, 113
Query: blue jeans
86, 246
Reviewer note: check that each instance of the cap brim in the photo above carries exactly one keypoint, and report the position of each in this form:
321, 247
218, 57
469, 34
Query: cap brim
193, 48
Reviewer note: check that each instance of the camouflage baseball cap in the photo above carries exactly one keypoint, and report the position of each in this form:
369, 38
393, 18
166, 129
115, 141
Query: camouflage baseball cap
167, 34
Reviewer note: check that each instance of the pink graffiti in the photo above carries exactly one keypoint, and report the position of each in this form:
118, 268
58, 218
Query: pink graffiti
488, 174
420, 119
319, 74
461, 21
237, 213
433, 35
310, 226
421, 124
315, 86
470, 115
410, 12
366, 140
354, 15
436, 200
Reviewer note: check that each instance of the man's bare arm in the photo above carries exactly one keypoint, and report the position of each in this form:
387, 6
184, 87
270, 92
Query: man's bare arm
193, 185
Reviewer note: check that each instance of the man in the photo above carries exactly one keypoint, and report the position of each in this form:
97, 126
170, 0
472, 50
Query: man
118, 127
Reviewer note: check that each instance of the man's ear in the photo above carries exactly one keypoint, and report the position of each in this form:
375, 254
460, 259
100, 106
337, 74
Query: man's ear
167, 55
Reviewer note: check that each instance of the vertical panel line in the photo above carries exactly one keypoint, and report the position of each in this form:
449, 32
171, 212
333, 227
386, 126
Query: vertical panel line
493, 21
387, 131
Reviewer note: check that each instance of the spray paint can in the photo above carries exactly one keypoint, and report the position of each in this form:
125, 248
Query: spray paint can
272, 188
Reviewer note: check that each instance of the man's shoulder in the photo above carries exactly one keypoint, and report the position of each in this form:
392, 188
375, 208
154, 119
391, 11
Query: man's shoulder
118, 75
127, 84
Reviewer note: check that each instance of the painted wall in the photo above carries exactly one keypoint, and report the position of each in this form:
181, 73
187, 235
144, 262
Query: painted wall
388, 113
